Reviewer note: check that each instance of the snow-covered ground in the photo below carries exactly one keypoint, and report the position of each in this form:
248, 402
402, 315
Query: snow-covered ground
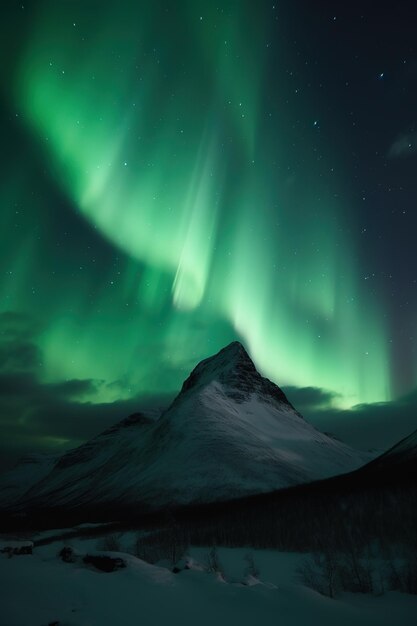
40, 589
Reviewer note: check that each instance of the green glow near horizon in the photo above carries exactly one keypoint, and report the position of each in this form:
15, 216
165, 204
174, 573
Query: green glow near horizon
170, 163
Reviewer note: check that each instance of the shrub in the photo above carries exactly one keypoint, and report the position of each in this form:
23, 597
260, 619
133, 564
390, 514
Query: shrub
104, 563
321, 572
251, 568
110, 543
213, 563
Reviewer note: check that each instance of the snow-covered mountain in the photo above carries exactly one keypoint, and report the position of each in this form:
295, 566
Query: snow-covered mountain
229, 433
406, 449
400, 461
27, 472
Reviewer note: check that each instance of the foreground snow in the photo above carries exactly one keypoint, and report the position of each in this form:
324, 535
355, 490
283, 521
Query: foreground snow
41, 589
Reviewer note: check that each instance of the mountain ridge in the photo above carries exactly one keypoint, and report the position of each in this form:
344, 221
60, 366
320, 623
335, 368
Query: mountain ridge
230, 432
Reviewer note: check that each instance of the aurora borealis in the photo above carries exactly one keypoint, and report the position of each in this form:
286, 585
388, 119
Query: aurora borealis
182, 174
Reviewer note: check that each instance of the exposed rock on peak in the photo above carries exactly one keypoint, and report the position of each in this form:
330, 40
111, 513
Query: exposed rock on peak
233, 368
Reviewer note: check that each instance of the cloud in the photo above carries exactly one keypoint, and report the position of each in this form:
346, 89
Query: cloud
16, 384
19, 351
36, 416
74, 388
367, 426
310, 397
77, 422
43, 421
17, 324
405, 145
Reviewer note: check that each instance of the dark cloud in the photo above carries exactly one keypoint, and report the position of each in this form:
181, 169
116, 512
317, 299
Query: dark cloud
17, 354
49, 417
18, 349
366, 426
74, 388
50, 422
17, 324
20, 385
310, 397
77, 421
17, 384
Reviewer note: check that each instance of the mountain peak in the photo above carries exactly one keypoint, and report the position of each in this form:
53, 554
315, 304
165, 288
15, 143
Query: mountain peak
233, 348
221, 366
231, 356
230, 432
233, 368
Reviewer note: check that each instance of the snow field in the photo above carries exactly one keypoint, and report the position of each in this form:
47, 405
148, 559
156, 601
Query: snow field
41, 589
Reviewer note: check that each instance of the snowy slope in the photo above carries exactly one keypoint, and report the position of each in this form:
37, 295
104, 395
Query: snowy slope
28, 471
400, 460
41, 589
89, 458
230, 432
406, 449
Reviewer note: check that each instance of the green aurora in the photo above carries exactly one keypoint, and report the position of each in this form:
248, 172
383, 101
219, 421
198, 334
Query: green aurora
220, 217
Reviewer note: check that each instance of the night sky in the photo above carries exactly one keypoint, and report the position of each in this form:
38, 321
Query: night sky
177, 175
